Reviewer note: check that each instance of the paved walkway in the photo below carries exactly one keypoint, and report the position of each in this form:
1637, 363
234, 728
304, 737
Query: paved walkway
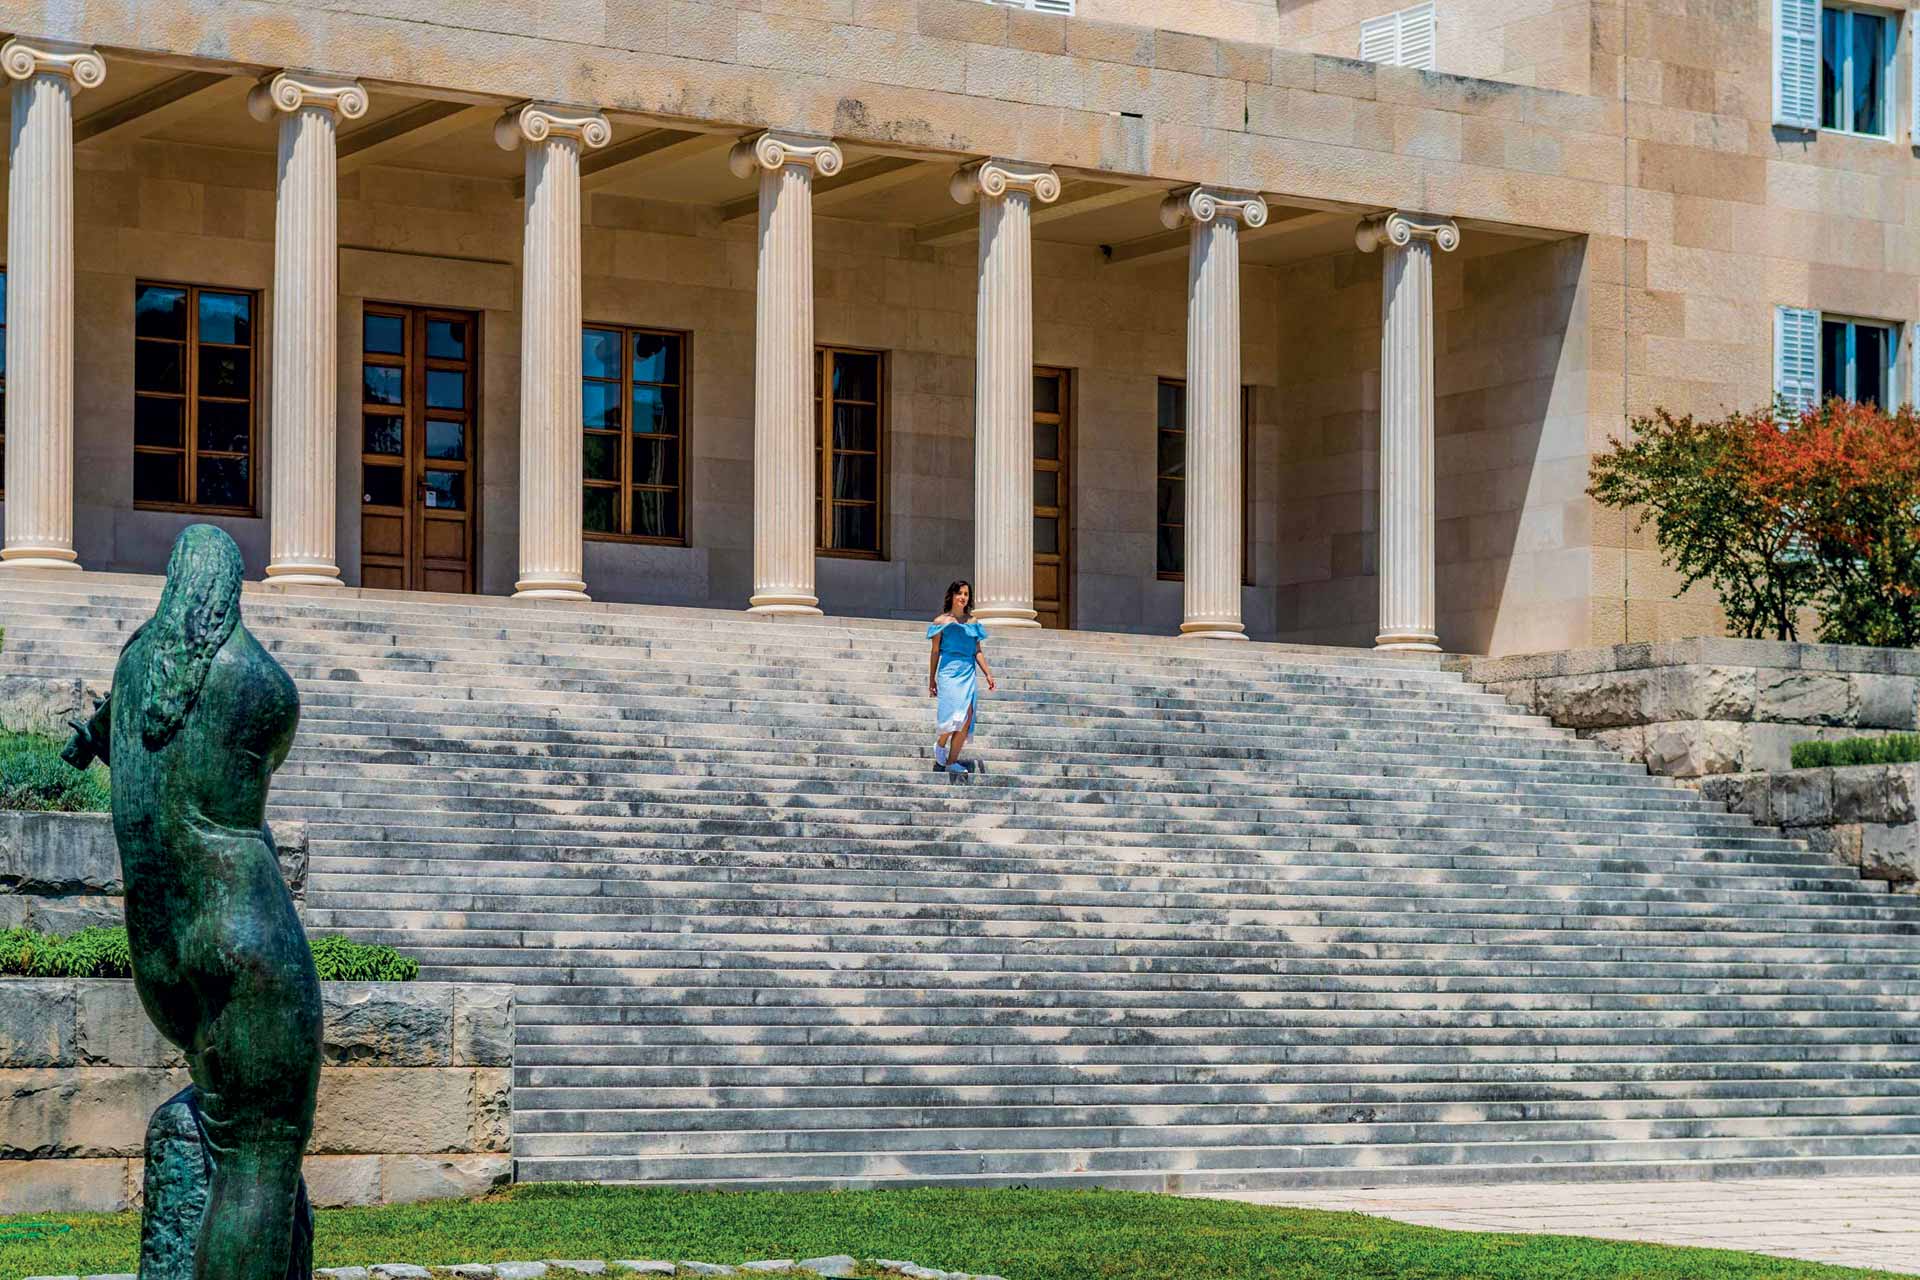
1859, 1222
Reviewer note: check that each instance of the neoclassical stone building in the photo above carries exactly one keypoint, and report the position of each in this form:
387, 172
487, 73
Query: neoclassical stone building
1146, 316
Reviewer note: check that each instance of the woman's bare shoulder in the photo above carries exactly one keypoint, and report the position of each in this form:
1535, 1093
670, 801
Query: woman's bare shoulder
944, 618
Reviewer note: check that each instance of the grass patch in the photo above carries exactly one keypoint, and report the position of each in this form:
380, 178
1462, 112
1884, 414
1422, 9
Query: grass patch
33, 777
102, 953
1023, 1235
1898, 748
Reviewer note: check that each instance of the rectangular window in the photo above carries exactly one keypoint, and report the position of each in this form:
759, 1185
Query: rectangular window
1404, 39
633, 406
849, 388
194, 384
3, 384
1063, 7
1856, 71
1170, 489
1856, 361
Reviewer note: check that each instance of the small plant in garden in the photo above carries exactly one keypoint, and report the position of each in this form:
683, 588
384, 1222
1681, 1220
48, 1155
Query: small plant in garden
1898, 748
34, 777
102, 953
341, 960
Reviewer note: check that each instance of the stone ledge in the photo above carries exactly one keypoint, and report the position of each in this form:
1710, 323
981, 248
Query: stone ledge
1865, 815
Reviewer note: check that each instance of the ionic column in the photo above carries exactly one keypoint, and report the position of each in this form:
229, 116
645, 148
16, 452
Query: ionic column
784, 483
39, 472
1003, 385
1407, 242
1214, 482
552, 438
306, 305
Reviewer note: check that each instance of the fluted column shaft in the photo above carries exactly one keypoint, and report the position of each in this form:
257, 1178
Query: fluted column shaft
1003, 386
552, 435
1407, 557
306, 306
39, 469
1214, 483
784, 479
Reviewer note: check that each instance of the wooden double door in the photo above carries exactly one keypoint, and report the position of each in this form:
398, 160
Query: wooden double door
419, 448
1052, 514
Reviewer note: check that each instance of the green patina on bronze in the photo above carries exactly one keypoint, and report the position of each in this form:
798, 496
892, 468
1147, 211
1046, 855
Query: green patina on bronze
199, 717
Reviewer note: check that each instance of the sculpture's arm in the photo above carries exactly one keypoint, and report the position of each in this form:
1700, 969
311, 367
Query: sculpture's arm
92, 737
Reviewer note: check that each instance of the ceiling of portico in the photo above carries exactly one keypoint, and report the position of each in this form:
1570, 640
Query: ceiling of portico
677, 163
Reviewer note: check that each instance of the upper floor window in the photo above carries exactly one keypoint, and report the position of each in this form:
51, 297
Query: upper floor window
1856, 361
1403, 39
848, 393
633, 405
1856, 71
1064, 7
194, 398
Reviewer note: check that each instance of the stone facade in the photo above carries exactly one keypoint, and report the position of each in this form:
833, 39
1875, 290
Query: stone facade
1862, 814
413, 1100
1628, 219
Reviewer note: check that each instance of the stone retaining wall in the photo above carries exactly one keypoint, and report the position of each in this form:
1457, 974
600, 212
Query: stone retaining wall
414, 1100
1695, 708
1863, 814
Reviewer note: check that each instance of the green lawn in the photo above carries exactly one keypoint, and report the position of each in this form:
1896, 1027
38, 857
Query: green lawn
1023, 1235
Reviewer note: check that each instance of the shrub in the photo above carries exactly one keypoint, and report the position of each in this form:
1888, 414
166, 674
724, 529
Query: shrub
102, 953
1899, 748
34, 777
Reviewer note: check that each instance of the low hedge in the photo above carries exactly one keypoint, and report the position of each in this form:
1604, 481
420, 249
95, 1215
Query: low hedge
33, 777
102, 953
1899, 748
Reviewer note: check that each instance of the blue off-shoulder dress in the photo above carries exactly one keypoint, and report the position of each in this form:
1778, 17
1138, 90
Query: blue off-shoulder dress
957, 678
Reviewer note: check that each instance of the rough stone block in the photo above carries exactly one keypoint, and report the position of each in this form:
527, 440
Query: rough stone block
79, 1111
492, 1109
1748, 793
1769, 747
520, 1270
1804, 697
1885, 702
337, 1181
389, 1024
114, 1030
1802, 797
1602, 700
371, 1110
58, 853
1693, 748
1703, 693
37, 1022
1872, 793
837, 1265
482, 1025
67, 1186
406, 1179
38, 704
1891, 853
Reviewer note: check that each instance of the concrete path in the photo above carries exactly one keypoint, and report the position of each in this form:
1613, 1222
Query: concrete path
1858, 1222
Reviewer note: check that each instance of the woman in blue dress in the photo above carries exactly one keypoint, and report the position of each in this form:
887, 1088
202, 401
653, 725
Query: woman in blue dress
952, 661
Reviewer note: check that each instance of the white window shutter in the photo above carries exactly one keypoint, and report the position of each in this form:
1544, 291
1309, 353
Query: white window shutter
1913, 88
1913, 366
1062, 7
1380, 40
1796, 356
1796, 63
1417, 37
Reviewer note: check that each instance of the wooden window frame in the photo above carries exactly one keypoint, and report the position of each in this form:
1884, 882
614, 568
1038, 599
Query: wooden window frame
823, 355
190, 450
624, 485
1246, 481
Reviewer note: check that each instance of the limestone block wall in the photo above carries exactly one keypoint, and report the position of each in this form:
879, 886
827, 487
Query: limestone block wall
1863, 814
414, 1098
1693, 708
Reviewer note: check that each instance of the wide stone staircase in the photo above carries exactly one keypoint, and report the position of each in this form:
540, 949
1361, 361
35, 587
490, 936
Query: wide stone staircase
1213, 917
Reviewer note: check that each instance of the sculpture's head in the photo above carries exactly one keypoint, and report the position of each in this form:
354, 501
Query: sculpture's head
198, 610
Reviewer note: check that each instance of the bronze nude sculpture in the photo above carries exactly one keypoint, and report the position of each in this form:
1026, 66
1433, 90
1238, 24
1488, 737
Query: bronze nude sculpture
198, 719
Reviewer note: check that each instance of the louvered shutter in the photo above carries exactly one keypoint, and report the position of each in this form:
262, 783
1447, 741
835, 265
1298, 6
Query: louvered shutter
1417, 37
1062, 7
1796, 356
1913, 58
1913, 366
1380, 40
1796, 63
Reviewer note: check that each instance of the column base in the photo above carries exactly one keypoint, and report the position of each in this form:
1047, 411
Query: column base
1213, 631
1005, 619
784, 602
550, 589
1407, 642
303, 575
39, 558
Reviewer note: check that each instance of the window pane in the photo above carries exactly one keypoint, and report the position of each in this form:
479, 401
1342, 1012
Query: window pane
159, 477
856, 477
856, 377
1869, 83
856, 426
600, 353
603, 457
1833, 76
1046, 393
383, 486
600, 405
1171, 549
381, 433
159, 423
597, 510
1870, 363
223, 427
226, 317
446, 439
447, 339
222, 482
656, 357
1046, 440
1173, 453
159, 312
382, 385
446, 389
446, 490
159, 366
1046, 488
656, 461
1833, 360
1173, 405
1046, 535
656, 513
383, 335
855, 529
655, 410
225, 371
1171, 498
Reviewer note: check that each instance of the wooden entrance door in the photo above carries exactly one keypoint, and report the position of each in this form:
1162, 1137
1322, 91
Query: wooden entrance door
419, 449
1052, 525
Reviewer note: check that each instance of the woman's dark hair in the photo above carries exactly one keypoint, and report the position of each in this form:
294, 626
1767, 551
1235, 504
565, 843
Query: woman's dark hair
953, 589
